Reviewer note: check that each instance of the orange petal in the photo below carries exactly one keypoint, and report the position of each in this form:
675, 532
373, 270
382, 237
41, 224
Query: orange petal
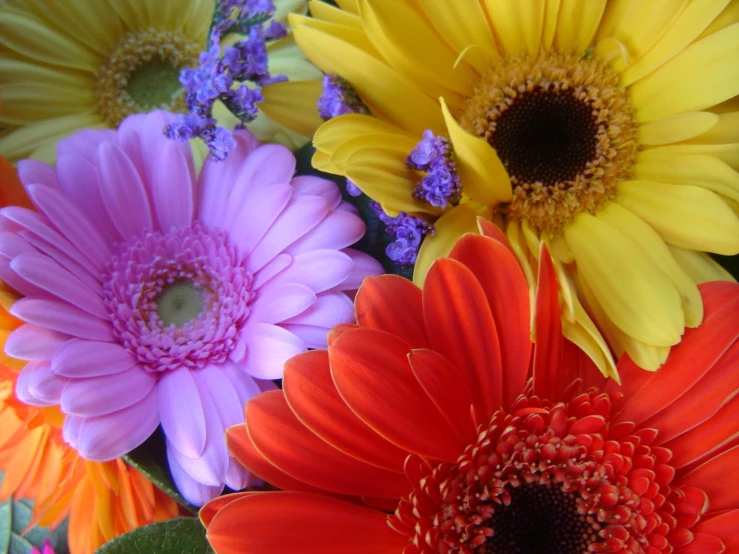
712, 476
311, 394
372, 375
211, 508
548, 330
504, 284
289, 445
288, 522
336, 332
460, 326
393, 304
490, 229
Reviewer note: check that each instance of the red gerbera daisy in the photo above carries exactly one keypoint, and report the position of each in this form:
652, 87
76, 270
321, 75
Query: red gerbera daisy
434, 425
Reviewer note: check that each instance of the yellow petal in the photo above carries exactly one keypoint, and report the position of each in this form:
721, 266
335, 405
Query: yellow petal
613, 52
399, 144
686, 216
293, 104
17, 71
551, 14
585, 334
578, 21
321, 162
729, 16
383, 175
728, 153
348, 33
327, 12
26, 103
635, 294
691, 23
656, 250
339, 130
388, 95
352, 6
702, 75
724, 132
463, 25
525, 258
415, 51
702, 171
517, 24
483, 177
676, 128
448, 228
701, 267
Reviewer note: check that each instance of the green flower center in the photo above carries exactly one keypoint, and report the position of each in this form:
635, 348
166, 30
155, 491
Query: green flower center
179, 303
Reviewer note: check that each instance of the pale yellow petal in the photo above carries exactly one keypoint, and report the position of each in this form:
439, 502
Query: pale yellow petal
585, 334
728, 153
285, 7
701, 267
25, 104
724, 132
577, 24
518, 25
448, 228
388, 95
613, 52
703, 171
639, 24
676, 128
533, 241
701, 76
691, 23
685, 216
464, 27
413, 49
286, 58
525, 258
293, 104
481, 173
655, 248
352, 6
635, 294
17, 71
332, 14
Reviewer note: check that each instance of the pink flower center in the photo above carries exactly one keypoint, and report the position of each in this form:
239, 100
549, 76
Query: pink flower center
178, 298
549, 478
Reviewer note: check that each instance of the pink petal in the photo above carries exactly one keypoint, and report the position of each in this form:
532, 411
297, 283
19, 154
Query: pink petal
299, 217
230, 408
104, 438
193, 491
237, 476
47, 274
319, 269
339, 230
182, 412
278, 302
83, 144
34, 172
172, 188
73, 224
60, 316
269, 347
245, 386
154, 142
11, 245
330, 309
311, 335
79, 359
364, 265
30, 342
269, 164
123, 192
310, 185
38, 386
275, 266
96, 396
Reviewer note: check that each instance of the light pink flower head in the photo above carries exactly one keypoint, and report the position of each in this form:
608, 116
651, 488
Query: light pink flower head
157, 296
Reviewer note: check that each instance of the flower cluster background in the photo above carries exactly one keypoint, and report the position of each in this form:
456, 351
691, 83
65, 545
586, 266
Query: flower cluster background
369, 276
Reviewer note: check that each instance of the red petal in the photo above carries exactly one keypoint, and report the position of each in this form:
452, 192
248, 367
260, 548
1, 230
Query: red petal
393, 304
338, 330
504, 284
548, 330
289, 522
489, 229
373, 376
446, 388
712, 477
461, 327
703, 544
211, 508
688, 363
311, 394
289, 445
724, 527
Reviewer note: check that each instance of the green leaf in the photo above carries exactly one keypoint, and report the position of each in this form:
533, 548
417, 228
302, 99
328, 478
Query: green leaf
181, 535
151, 460
14, 518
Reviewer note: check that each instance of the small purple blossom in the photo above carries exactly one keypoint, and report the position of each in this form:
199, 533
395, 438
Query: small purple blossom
352, 189
339, 98
433, 155
219, 73
408, 231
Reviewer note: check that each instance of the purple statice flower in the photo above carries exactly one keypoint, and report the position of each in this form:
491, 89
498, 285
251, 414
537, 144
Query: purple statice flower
339, 98
223, 73
408, 231
434, 156
352, 189
154, 295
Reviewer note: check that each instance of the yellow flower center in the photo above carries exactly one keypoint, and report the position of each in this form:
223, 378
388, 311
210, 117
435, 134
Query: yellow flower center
563, 128
141, 74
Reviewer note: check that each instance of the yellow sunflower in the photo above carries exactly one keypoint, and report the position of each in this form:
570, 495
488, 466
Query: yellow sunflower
73, 64
608, 130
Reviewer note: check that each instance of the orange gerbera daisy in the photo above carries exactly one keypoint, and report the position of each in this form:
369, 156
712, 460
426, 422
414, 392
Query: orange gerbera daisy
102, 500
434, 425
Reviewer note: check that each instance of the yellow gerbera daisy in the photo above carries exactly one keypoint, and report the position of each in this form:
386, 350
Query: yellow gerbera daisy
73, 64
608, 130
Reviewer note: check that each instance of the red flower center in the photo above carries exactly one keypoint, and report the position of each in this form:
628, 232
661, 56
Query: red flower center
550, 478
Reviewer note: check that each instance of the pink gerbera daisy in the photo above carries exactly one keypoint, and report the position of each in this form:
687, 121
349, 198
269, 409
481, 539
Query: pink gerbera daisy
157, 296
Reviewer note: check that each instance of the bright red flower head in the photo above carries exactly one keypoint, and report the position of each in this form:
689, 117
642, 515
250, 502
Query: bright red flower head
435, 425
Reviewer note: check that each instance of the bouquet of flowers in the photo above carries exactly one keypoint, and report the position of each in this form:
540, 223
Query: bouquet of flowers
369, 276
